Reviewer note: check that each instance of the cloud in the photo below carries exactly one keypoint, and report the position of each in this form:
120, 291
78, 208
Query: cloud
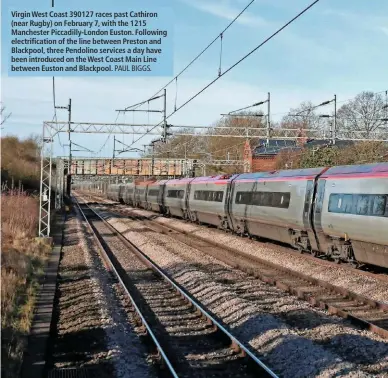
225, 10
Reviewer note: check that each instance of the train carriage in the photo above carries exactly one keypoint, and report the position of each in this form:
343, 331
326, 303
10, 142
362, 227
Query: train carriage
114, 192
155, 200
129, 193
208, 199
174, 196
341, 212
351, 213
275, 205
140, 195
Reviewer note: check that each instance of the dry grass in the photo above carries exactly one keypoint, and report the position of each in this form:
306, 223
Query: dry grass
23, 257
19, 215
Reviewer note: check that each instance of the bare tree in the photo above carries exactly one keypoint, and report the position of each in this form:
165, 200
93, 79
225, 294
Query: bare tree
362, 117
303, 117
207, 148
3, 114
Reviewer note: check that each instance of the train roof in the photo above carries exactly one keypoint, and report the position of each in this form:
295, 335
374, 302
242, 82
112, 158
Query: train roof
374, 169
290, 173
159, 182
213, 179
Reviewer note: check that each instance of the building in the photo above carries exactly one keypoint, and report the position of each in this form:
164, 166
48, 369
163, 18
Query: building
262, 155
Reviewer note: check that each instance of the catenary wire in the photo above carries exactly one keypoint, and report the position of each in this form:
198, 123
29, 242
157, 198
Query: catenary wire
234, 65
203, 51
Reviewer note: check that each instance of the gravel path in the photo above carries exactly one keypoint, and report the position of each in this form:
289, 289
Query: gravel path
295, 339
93, 330
357, 282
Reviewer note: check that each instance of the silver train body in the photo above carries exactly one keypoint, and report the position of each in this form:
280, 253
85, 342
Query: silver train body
341, 212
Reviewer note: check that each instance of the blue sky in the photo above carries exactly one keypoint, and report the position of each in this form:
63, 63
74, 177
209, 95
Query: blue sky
339, 46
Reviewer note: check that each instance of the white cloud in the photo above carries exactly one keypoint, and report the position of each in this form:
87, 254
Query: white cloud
223, 9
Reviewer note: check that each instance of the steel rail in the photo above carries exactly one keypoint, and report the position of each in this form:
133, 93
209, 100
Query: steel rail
380, 275
236, 344
143, 320
315, 300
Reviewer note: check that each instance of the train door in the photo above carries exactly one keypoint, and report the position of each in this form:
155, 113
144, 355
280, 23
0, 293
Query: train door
161, 197
187, 202
317, 215
308, 214
229, 202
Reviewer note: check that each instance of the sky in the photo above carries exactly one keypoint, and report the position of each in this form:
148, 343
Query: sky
337, 47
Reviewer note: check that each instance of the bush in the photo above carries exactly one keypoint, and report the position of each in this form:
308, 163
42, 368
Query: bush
360, 153
20, 161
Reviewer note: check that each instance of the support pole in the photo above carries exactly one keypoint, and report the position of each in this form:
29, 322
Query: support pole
45, 182
69, 171
268, 117
152, 161
68, 186
165, 116
69, 110
41, 191
335, 119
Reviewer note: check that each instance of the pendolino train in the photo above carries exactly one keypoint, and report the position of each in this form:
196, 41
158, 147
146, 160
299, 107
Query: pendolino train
340, 212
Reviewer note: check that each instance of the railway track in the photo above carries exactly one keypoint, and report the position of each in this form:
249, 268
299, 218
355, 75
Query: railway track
368, 271
360, 310
188, 339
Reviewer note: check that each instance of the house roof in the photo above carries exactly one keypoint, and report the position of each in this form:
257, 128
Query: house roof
327, 142
274, 146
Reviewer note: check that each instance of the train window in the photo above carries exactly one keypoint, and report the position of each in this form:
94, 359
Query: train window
153, 192
333, 203
359, 204
209, 195
347, 203
175, 193
285, 200
379, 205
269, 199
362, 205
244, 198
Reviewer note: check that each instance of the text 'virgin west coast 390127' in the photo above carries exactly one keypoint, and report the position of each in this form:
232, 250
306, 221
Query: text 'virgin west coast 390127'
68, 40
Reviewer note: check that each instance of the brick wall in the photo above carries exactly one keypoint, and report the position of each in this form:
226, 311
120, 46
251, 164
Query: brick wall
263, 163
259, 163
